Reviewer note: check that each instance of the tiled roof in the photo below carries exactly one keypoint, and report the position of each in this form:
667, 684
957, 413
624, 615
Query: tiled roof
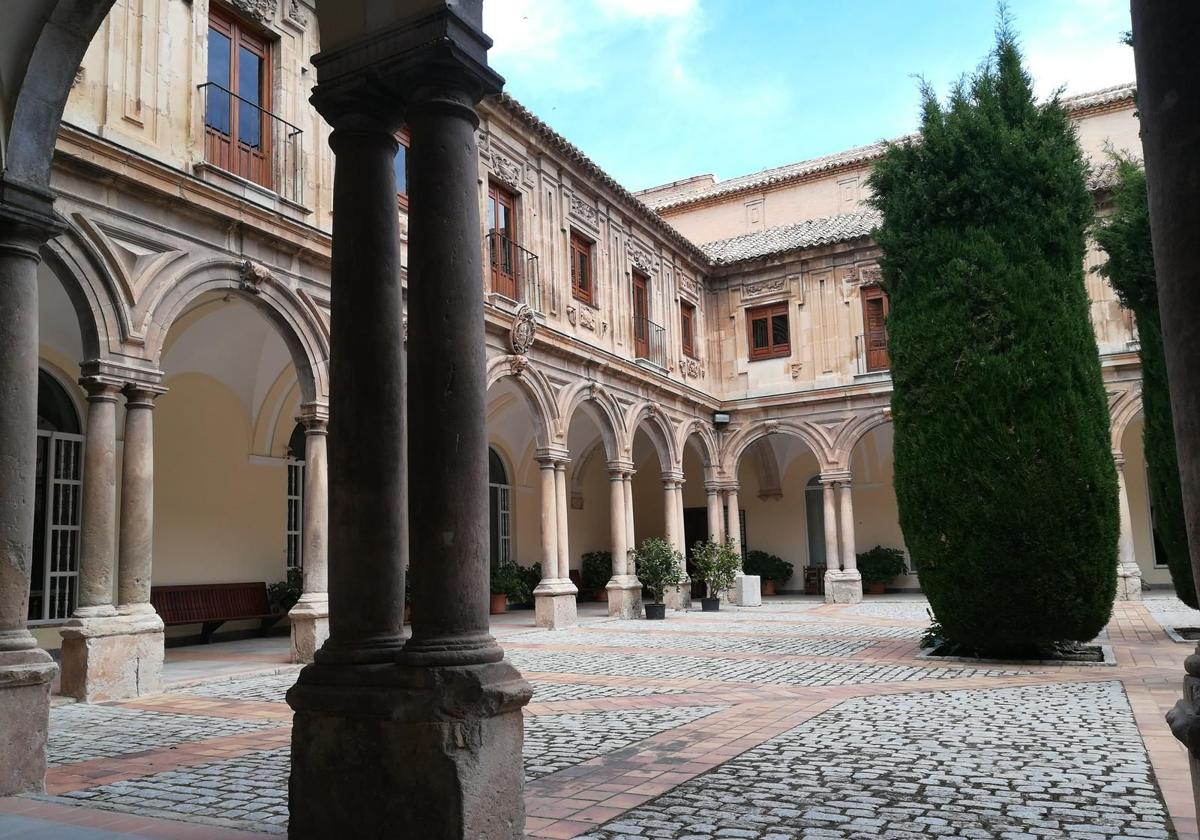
572, 153
858, 155
779, 240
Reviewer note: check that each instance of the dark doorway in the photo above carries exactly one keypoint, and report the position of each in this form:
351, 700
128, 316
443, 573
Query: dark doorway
695, 529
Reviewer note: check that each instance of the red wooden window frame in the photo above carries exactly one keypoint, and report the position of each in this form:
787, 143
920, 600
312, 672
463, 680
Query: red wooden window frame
875, 310
405, 141
640, 283
768, 314
226, 150
504, 246
583, 274
687, 328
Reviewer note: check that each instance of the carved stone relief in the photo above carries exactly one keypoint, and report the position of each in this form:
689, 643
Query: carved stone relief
691, 368
580, 209
796, 368
763, 287
297, 14
507, 170
520, 337
262, 11
251, 276
640, 257
517, 364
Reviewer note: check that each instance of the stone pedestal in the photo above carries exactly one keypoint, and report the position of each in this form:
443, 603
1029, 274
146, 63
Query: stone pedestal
425, 752
310, 626
554, 604
25, 677
112, 658
1129, 583
624, 597
678, 597
746, 591
843, 587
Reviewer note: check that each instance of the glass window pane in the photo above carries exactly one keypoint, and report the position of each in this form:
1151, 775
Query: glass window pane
249, 89
401, 168
758, 328
779, 329
216, 114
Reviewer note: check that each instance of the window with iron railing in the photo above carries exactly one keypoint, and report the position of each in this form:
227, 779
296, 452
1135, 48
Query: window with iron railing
650, 342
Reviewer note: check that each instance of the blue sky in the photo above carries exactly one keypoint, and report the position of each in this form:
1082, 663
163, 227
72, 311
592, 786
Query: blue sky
656, 90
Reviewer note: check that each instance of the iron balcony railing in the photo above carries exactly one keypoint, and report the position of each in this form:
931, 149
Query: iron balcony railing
871, 354
514, 271
245, 139
650, 342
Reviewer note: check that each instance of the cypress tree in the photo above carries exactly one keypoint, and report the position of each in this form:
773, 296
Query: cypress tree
1125, 238
1004, 476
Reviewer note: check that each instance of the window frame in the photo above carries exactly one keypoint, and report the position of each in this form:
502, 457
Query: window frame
404, 140
869, 295
243, 33
581, 245
768, 312
687, 336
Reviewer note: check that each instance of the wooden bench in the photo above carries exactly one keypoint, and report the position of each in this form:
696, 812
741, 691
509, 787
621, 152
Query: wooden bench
212, 604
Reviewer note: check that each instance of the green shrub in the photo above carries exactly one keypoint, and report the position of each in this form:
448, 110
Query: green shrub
508, 579
531, 576
717, 564
767, 566
1125, 237
1004, 476
596, 570
658, 567
284, 594
880, 565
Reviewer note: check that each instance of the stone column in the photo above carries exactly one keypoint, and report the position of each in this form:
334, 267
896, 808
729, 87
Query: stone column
677, 597
95, 658
554, 596
624, 590
832, 558
747, 589
630, 538
310, 616
715, 530
733, 527
842, 586
424, 741
1129, 575
25, 669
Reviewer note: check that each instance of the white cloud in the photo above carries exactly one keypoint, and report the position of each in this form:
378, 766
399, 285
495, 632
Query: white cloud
1081, 49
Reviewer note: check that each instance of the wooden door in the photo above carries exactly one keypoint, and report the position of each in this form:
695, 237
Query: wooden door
641, 317
237, 128
875, 307
502, 235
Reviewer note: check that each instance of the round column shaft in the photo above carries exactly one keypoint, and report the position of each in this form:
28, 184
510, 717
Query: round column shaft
630, 539
316, 510
849, 559
560, 503
549, 520
734, 527
136, 542
831, 535
98, 508
620, 547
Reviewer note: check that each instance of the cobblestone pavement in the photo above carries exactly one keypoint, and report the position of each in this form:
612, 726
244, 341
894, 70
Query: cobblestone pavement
1169, 611
1061, 760
795, 719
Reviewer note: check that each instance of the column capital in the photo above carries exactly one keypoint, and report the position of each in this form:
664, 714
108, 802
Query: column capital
675, 476
27, 217
622, 469
712, 488
314, 417
551, 456
836, 477
101, 388
142, 394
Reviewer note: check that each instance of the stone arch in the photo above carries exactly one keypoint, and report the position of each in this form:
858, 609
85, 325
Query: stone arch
604, 411
579, 466
737, 445
102, 315
533, 386
700, 436
853, 432
1121, 411
650, 417
69, 387
304, 334
766, 462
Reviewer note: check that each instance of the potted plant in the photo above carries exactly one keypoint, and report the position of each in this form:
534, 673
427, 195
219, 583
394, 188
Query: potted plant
283, 595
717, 564
507, 583
879, 566
658, 567
595, 572
531, 576
772, 569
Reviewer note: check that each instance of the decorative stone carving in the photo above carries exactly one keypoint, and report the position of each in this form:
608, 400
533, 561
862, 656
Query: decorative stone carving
580, 209
507, 170
587, 318
870, 275
251, 276
688, 286
763, 287
691, 368
524, 325
796, 368
517, 365
599, 392
78, 79
572, 315
262, 11
771, 427
296, 14
642, 259
654, 410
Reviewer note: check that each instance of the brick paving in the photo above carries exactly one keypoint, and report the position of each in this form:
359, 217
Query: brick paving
795, 719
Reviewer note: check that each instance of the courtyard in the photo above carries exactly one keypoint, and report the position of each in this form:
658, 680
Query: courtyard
794, 719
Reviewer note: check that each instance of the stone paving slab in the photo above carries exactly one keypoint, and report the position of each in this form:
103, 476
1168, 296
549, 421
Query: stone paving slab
80, 732
700, 641
809, 626
1055, 760
718, 669
552, 692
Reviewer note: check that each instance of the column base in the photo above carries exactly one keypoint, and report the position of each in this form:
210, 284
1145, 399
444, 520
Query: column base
624, 597
678, 597
113, 657
1129, 583
395, 751
310, 626
1184, 719
843, 587
25, 676
554, 604
746, 591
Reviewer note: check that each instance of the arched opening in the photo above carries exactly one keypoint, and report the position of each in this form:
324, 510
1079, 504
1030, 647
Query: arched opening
1151, 558
590, 517
514, 498
499, 510
697, 464
876, 512
814, 516
649, 503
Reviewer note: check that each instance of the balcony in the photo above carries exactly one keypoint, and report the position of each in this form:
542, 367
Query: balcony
514, 271
251, 143
649, 342
871, 354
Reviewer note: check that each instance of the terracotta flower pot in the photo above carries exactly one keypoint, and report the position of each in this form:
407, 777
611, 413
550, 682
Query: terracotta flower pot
875, 587
768, 586
499, 604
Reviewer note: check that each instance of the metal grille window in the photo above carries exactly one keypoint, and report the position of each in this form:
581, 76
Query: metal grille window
53, 589
295, 514
499, 509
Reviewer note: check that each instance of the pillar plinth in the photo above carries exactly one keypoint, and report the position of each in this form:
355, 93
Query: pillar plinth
420, 739
309, 618
25, 670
